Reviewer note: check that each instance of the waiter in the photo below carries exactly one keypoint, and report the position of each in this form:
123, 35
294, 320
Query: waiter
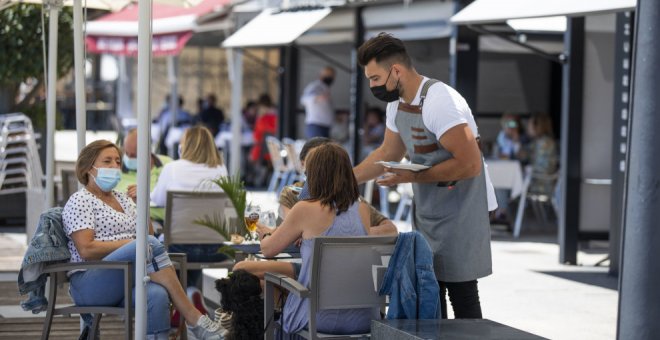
432, 123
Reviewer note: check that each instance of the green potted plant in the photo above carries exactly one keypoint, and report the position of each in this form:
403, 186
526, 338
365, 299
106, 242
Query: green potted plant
235, 190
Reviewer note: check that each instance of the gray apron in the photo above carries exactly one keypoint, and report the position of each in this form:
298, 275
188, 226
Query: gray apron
452, 216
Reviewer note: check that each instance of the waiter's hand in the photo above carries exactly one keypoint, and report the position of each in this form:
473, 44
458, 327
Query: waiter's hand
395, 176
131, 192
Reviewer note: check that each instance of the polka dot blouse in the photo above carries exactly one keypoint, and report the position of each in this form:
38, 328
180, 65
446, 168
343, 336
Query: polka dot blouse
86, 211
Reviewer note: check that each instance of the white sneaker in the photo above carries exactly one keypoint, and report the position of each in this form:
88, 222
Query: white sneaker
206, 329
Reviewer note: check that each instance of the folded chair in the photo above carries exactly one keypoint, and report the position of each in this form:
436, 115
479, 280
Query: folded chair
346, 274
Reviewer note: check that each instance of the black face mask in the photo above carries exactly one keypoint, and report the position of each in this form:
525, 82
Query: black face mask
381, 92
328, 80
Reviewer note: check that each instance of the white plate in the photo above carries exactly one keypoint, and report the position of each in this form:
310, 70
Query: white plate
403, 166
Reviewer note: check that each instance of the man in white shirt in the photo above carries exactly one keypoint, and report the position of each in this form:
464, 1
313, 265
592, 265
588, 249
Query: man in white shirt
432, 123
319, 114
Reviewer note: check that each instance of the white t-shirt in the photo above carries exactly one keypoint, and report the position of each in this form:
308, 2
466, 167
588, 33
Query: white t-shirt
84, 210
185, 175
444, 108
318, 108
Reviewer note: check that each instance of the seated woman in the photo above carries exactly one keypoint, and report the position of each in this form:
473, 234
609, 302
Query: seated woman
101, 225
333, 210
199, 162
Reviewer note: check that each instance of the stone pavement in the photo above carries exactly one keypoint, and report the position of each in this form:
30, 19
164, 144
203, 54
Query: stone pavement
528, 290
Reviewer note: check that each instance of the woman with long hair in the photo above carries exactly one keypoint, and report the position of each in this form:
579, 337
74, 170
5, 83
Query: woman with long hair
333, 210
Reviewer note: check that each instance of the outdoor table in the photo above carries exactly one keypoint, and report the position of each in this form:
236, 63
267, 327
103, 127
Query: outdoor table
438, 329
245, 250
506, 174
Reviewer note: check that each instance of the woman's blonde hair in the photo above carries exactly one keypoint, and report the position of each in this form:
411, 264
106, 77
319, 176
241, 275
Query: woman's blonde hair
88, 156
198, 146
330, 177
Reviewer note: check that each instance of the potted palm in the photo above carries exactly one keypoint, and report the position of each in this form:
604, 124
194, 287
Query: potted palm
235, 190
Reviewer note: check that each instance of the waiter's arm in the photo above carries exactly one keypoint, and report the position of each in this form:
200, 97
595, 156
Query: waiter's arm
392, 149
465, 163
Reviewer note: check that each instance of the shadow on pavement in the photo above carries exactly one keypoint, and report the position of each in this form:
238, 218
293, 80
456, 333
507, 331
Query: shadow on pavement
599, 279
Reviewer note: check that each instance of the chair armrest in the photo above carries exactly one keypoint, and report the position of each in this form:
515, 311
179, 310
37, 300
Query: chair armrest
62, 267
287, 283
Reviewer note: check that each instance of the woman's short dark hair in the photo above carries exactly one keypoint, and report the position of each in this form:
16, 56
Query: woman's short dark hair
314, 142
384, 48
88, 156
330, 177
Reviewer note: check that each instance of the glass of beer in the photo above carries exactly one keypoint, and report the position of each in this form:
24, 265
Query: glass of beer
251, 219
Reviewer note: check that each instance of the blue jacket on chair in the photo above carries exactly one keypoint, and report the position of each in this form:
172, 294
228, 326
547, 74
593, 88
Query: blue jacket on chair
48, 245
410, 280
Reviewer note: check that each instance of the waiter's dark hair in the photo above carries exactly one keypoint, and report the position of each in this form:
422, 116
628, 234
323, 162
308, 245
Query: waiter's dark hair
330, 177
384, 48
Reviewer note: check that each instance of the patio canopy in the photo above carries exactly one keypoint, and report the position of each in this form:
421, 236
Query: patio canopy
274, 27
173, 26
496, 11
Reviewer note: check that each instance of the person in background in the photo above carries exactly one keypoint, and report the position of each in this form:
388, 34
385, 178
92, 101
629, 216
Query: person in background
183, 119
129, 172
265, 125
210, 115
512, 138
339, 130
101, 224
543, 155
512, 141
199, 162
250, 113
319, 114
374, 130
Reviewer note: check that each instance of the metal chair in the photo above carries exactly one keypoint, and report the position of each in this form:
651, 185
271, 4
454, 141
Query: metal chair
57, 277
538, 200
280, 169
346, 274
181, 211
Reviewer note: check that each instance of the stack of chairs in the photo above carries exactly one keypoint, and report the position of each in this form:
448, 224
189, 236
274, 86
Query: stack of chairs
20, 167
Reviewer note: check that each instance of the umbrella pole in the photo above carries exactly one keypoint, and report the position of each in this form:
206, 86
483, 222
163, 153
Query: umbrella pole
54, 10
236, 56
79, 72
144, 165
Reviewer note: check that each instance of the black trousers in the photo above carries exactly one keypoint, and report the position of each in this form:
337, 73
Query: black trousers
464, 297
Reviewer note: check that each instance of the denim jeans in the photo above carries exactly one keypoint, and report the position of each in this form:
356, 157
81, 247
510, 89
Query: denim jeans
105, 287
198, 253
314, 130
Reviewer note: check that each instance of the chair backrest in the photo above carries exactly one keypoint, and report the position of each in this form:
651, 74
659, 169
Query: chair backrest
293, 155
345, 271
69, 184
184, 207
274, 149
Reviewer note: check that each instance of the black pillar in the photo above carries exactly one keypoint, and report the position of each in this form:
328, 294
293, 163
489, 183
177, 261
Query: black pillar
571, 142
357, 78
464, 59
288, 106
622, 62
639, 296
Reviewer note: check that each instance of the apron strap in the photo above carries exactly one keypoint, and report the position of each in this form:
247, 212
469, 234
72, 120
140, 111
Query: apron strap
425, 89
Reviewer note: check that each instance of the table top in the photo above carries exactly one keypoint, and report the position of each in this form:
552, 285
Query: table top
255, 249
446, 329
506, 174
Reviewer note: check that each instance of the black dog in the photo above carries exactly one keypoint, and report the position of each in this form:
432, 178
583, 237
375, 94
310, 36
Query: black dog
241, 296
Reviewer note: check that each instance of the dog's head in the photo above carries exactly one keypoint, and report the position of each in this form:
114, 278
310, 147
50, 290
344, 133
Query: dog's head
238, 290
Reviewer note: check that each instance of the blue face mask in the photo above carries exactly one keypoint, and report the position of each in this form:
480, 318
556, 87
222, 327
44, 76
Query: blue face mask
130, 163
107, 178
